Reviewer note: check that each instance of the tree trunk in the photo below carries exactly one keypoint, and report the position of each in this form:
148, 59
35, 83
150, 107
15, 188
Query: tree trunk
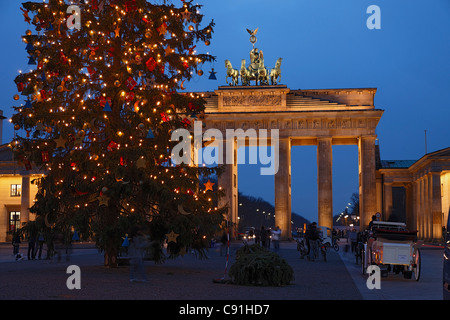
110, 258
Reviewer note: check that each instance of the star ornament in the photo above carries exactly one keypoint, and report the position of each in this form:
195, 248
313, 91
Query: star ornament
162, 29
117, 32
141, 163
186, 15
209, 185
60, 142
102, 200
172, 237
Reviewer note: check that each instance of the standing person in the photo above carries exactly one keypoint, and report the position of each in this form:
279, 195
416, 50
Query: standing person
16, 243
268, 237
257, 236
353, 239
41, 241
31, 246
276, 234
313, 237
136, 251
263, 235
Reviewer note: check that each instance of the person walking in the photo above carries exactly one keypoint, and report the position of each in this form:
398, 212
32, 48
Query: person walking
136, 250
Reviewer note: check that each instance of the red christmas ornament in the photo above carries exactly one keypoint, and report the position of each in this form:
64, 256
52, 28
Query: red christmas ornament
129, 97
91, 71
151, 64
104, 100
112, 146
131, 83
164, 117
20, 86
191, 106
130, 5
44, 156
186, 122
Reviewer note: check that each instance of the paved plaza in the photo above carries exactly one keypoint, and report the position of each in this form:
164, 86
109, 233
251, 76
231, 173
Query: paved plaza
188, 278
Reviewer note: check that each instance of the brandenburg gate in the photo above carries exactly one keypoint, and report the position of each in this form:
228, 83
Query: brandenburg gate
322, 118
303, 117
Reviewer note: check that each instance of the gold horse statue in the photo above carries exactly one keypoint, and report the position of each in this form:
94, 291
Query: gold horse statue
231, 72
275, 73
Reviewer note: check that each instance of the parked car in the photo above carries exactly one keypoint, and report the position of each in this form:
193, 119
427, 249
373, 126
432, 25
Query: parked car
446, 269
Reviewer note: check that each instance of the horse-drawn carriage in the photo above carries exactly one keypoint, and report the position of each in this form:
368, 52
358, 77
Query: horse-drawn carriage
393, 248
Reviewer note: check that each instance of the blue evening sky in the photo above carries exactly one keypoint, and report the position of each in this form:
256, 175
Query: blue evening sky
324, 44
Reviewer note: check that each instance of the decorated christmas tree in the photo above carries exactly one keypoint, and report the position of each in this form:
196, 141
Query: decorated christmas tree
97, 115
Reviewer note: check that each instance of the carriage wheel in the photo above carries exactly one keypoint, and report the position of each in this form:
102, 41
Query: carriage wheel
417, 266
336, 247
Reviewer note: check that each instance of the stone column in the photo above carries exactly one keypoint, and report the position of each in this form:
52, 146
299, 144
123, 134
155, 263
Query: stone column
430, 206
436, 206
426, 211
422, 208
283, 189
416, 211
410, 219
25, 200
228, 182
325, 181
367, 179
387, 200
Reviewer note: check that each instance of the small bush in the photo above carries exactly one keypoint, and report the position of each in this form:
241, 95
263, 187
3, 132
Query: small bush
258, 266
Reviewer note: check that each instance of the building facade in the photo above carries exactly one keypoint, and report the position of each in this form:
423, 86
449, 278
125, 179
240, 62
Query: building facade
416, 192
17, 193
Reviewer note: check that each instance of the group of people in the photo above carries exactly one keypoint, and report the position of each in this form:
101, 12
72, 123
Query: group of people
265, 235
35, 246
57, 244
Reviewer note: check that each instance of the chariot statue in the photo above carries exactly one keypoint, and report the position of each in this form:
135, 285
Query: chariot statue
256, 70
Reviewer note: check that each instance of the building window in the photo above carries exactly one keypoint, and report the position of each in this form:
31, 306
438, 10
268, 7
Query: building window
16, 190
14, 221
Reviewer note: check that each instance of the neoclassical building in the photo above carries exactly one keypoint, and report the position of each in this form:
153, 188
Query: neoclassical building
416, 192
